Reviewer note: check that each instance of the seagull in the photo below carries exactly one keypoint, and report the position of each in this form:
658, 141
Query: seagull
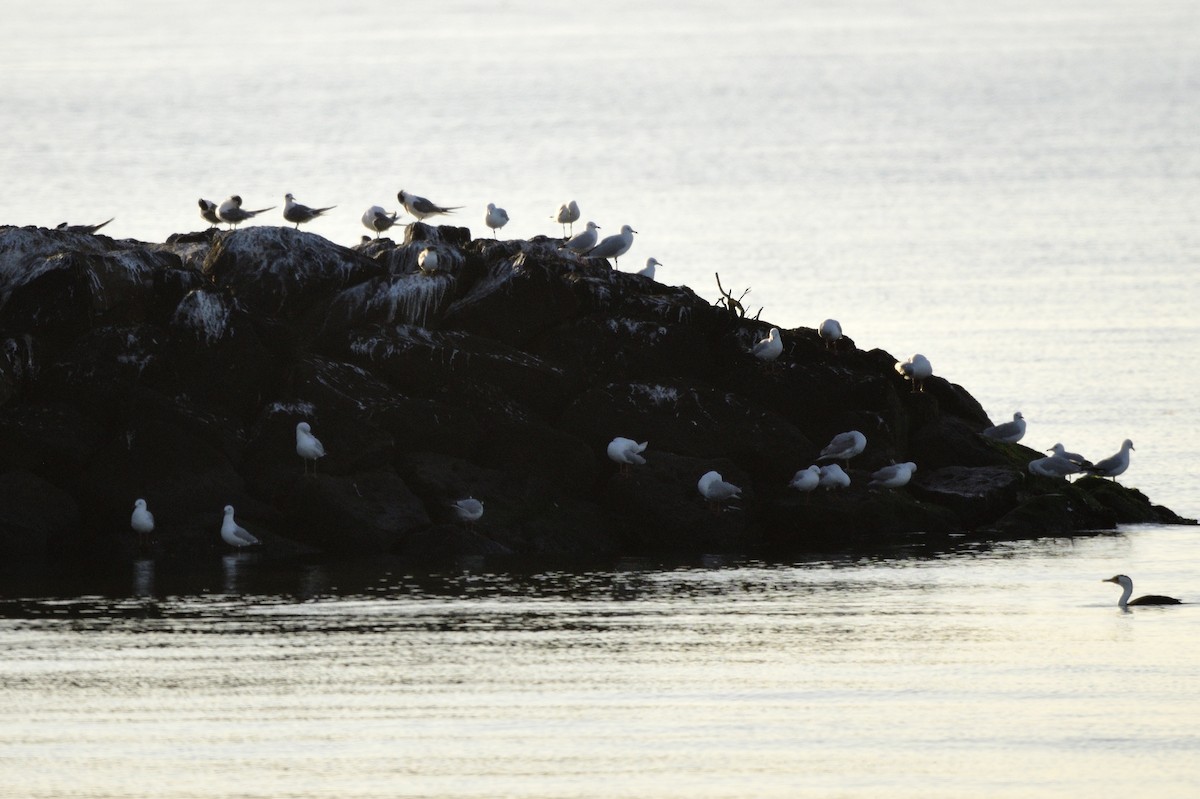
895, 476
843, 447
468, 510
1115, 465
427, 261
769, 348
234, 534
208, 212
648, 269
716, 490
307, 446
297, 213
626, 452
833, 476
231, 211
806, 480
1053, 466
831, 332
142, 521
1127, 588
495, 218
568, 214
81, 228
584, 241
420, 207
1073, 457
1010, 432
614, 246
917, 368
379, 220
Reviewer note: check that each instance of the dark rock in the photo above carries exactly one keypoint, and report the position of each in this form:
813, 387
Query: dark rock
37, 519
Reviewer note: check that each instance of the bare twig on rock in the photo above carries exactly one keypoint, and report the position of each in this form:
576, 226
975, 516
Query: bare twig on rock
732, 305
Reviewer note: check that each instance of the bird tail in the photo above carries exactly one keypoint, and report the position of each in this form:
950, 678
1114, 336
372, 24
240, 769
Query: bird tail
260, 210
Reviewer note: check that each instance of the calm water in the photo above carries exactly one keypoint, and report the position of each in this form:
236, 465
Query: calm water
988, 671
1010, 188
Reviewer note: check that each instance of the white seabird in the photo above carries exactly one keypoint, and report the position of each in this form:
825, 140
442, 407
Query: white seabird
208, 212
1114, 465
648, 269
626, 453
831, 332
234, 534
614, 246
714, 489
895, 476
427, 261
843, 447
1053, 466
378, 220
307, 446
1073, 457
468, 510
833, 476
296, 213
1010, 432
495, 218
769, 348
1127, 588
806, 480
917, 369
568, 214
142, 521
583, 241
232, 213
421, 208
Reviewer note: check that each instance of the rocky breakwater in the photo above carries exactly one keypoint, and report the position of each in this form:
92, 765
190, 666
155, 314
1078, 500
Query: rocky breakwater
177, 373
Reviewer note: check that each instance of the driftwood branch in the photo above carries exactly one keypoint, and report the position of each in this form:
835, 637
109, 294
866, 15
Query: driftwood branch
727, 300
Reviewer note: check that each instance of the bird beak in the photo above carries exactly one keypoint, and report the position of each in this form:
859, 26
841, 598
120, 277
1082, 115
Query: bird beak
1109, 580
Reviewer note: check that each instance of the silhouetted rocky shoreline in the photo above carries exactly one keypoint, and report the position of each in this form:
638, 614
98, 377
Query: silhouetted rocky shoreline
177, 372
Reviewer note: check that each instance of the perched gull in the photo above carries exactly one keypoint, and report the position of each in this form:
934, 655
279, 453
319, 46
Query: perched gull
716, 490
895, 476
806, 480
568, 214
843, 447
831, 333
420, 207
307, 446
833, 476
614, 246
1010, 432
468, 510
917, 368
495, 218
427, 261
234, 534
626, 452
379, 220
82, 228
297, 213
231, 211
769, 348
1053, 466
142, 521
1115, 465
208, 212
648, 269
582, 242
1127, 588
1073, 457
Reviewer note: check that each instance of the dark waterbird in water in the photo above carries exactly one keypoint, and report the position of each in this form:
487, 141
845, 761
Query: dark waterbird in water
1127, 588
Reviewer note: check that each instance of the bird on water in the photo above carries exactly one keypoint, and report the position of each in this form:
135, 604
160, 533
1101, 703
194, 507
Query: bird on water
1127, 589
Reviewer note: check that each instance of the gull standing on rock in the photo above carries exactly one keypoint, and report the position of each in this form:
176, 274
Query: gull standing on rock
232, 213
917, 369
582, 242
568, 214
648, 269
421, 208
714, 489
614, 246
208, 212
833, 476
1073, 457
378, 220
831, 333
234, 534
142, 521
843, 447
1010, 432
1115, 465
495, 218
806, 480
297, 213
626, 452
769, 348
307, 446
469, 510
1053, 466
895, 476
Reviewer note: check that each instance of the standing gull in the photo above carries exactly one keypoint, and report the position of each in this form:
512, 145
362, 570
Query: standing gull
142, 521
495, 218
1127, 588
714, 489
833, 476
895, 476
421, 207
1114, 465
806, 480
917, 369
831, 333
626, 452
843, 447
769, 348
378, 220
1073, 457
232, 213
234, 534
614, 246
568, 214
307, 446
298, 214
208, 212
1053, 466
582, 242
1010, 432
648, 269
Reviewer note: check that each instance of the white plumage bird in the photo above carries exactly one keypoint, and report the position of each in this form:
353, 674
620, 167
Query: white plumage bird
378, 220
1115, 464
625, 452
833, 477
806, 480
422, 208
614, 246
1054, 466
495, 218
568, 214
895, 476
716, 491
468, 510
232, 213
831, 333
917, 369
234, 534
769, 348
308, 447
843, 447
298, 214
648, 269
1010, 432
583, 241
142, 521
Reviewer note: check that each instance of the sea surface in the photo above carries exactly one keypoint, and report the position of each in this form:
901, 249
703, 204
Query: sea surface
1010, 188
